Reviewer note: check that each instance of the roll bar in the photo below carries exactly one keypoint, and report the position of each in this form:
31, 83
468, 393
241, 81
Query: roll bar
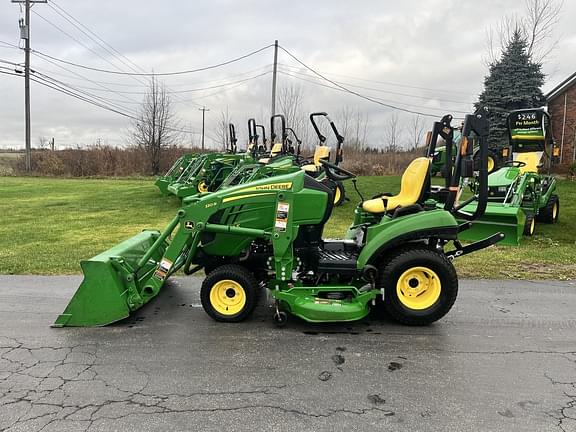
322, 138
273, 133
475, 125
233, 139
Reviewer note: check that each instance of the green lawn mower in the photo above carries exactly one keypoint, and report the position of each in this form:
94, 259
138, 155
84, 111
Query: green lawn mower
522, 192
267, 234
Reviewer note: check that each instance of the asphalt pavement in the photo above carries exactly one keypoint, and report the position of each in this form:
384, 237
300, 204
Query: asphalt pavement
504, 359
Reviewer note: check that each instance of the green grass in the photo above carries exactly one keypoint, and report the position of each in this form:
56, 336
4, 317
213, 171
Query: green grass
49, 225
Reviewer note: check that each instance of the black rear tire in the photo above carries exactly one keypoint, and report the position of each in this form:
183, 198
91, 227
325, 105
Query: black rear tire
425, 269
551, 212
229, 293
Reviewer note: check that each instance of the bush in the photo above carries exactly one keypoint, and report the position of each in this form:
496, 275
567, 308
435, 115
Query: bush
100, 160
97, 160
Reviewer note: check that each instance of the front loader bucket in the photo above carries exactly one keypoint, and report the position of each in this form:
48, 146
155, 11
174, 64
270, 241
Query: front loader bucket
107, 293
497, 218
162, 183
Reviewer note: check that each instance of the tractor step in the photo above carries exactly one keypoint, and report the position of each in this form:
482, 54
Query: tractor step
337, 261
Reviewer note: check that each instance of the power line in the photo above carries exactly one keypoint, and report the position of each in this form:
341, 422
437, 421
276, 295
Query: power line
375, 98
172, 85
9, 44
193, 90
370, 99
228, 88
74, 39
205, 68
435, 90
94, 40
99, 41
71, 93
87, 79
382, 90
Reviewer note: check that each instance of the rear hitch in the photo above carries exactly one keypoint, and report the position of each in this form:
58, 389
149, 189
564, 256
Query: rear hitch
473, 247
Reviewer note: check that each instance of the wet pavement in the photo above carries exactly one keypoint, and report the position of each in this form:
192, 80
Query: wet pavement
504, 359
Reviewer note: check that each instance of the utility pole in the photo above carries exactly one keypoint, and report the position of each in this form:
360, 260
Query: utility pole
25, 34
203, 109
275, 70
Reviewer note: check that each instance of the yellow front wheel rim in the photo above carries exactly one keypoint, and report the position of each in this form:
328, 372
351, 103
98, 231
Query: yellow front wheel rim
202, 187
227, 297
555, 211
418, 288
491, 164
337, 195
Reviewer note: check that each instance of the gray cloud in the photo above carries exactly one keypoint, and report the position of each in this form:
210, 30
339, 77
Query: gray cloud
436, 44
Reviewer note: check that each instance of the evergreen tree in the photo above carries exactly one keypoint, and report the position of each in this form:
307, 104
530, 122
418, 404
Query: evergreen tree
514, 82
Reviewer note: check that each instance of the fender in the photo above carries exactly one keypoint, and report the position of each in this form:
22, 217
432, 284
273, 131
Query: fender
390, 232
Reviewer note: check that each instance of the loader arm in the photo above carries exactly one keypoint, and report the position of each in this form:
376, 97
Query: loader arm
126, 277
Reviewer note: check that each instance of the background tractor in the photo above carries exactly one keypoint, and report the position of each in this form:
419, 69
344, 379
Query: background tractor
522, 192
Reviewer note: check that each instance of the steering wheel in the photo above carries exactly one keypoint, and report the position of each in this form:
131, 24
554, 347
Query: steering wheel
336, 173
516, 164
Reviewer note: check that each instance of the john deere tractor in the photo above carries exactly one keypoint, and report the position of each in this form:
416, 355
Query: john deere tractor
521, 192
175, 171
285, 157
395, 257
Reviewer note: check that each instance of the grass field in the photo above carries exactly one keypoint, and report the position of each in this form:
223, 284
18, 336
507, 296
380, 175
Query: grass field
49, 225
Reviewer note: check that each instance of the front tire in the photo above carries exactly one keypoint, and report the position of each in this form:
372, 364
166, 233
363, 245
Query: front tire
529, 225
493, 162
339, 194
420, 286
229, 293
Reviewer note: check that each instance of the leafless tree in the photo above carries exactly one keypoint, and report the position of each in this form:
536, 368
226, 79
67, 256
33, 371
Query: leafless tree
392, 133
291, 104
416, 131
155, 127
536, 25
353, 126
222, 130
43, 142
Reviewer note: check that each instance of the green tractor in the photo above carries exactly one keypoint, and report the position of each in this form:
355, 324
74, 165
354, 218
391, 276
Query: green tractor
285, 157
268, 234
209, 170
162, 182
521, 192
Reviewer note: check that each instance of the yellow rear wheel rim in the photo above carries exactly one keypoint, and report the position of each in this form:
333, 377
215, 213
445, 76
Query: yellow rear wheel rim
554, 210
491, 164
227, 297
202, 187
337, 195
418, 288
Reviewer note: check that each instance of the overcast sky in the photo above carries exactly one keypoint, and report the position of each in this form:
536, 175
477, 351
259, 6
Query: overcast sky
421, 55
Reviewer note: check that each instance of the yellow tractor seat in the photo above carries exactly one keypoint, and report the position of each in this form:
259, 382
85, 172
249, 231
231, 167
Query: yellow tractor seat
531, 159
310, 168
412, 188
276, 150
321, 152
